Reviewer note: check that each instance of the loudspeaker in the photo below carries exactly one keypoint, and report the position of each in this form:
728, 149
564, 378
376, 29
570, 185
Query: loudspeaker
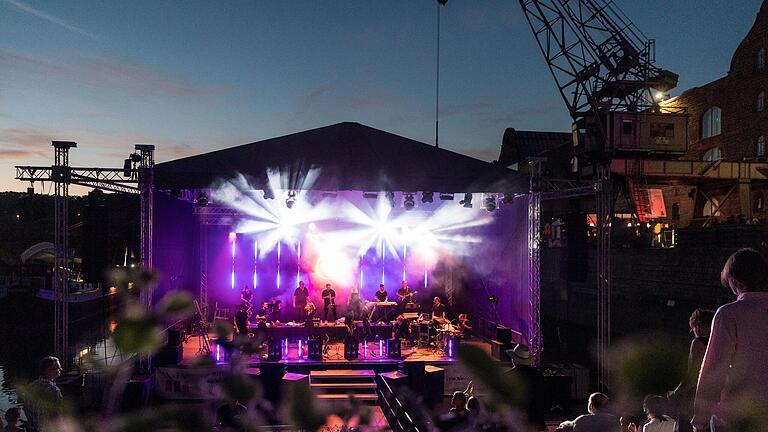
393, 348
576, 233
351, 350
274, 349
175, 337
499, 350
169, 356
314, 349
434, 384
503, 334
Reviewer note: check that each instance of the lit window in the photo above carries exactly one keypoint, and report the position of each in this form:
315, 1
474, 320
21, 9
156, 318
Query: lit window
760, 101
760, 59
712, 155
760, 146
710, 123
712, 207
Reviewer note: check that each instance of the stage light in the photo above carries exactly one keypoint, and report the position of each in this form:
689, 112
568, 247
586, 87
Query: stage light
427, 197
509, 198
268, 194
490, 203
291, 200
370, 195
467, 201
391, 198
127, 168
202, 199
446, 197
408, 202
232, 236
493, 299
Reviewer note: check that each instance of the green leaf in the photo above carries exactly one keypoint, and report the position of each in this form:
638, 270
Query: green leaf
138, 333
301, 407
238, 387
177, 304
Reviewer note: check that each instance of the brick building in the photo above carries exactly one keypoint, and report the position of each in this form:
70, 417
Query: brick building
727, 132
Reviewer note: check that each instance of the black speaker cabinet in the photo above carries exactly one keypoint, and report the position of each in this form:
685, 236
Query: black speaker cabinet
503, 334
274, 349
175, 337
393, 348
314, 349
169, 356
351, 350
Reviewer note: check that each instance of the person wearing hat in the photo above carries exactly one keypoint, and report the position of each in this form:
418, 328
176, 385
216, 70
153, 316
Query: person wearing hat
532, 380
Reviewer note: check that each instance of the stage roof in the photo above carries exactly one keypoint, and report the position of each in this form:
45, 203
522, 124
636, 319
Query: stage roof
350, 156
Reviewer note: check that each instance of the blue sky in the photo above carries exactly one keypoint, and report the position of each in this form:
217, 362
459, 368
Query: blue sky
195, 76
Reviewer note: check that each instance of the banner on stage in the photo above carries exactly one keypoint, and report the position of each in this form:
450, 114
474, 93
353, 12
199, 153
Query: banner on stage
457, 378
183, 383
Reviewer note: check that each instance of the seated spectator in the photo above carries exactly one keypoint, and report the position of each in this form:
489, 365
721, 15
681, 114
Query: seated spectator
473, 405
654, 409
598, 419
459, 403
12, 417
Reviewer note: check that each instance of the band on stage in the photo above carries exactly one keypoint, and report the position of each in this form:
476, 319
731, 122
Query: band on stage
401, 311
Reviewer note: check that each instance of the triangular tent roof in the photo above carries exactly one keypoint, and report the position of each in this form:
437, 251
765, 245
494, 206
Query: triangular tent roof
350, 156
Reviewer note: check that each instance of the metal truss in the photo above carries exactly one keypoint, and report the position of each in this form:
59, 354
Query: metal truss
214, 215
604, 199
536, 344
138, 180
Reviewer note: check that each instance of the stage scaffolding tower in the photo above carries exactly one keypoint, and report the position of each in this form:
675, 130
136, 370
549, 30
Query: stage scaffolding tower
534, 263
136, 179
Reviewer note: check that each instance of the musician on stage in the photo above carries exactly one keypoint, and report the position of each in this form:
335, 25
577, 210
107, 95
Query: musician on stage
274, 309
300, 296
380, 296
246, 296
402, 330
438, 310
404, 295
329, 302
241, 320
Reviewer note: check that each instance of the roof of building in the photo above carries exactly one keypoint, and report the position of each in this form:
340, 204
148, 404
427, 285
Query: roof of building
517, 146
350, 156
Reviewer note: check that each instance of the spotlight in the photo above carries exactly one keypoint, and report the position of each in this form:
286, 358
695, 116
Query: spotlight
427, 197
176, 193
127, 168
408, 202
490, 203
509, 198
202, 199
371, 195
291, 200
446, 197
493, 299
268, 194
467, 201
391, 197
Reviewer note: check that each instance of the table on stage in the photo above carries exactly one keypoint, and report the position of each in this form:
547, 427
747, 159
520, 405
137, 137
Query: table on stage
335, 332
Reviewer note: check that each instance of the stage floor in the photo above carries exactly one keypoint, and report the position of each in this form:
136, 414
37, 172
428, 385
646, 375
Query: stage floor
334, 355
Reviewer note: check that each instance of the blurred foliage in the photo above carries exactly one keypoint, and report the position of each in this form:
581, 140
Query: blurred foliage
647, 365
504, 389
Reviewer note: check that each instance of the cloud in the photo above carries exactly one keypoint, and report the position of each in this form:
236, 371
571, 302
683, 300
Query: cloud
47, 17
449, 110
102, 73
26, 143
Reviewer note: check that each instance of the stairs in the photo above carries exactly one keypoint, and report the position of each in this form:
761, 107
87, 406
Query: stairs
638, 189
338, 384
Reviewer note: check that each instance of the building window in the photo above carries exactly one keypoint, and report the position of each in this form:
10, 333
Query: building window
760, 150
710, 123
712, 155
758, 203
711, 207
760, 105
760, 59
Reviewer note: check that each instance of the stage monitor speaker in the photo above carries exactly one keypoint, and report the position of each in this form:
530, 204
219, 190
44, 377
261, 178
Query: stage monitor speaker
175, 337
351, 350
503, 334
499, 350
274, 349
393, 348
314, 349
434, 384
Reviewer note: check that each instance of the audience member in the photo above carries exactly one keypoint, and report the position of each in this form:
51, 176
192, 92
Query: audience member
12, 418
700, 323
598, 419
459, 403
733, 369
654, 408
44, 401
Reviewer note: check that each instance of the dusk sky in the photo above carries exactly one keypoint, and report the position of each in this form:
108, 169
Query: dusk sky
196, 76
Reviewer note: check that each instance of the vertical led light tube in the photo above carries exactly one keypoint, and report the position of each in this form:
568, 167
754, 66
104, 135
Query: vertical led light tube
381, 254
233, 239
278, 266
298, 263
255, 261
405, 256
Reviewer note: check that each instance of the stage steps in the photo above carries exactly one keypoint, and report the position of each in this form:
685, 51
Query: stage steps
338, 384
